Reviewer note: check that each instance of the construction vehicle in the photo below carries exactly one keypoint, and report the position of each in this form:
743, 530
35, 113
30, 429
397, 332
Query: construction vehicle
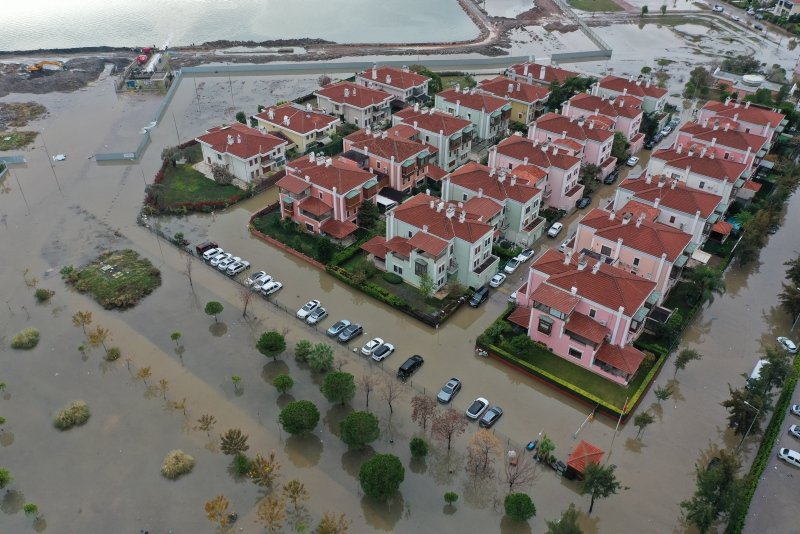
46, 66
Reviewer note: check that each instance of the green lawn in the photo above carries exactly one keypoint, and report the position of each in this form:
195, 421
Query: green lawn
117, 279
463, 81
289, 234
595, 5
14, 140
183, 184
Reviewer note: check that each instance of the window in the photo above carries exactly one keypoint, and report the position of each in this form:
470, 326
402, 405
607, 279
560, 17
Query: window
592, 313
469, 116
409, 233
519, 116
672, 219
427, 139
477, 250
378, 164
441, 269
219, 156
420, 268
701, 185
440, 283
575, 353
605, 251
320, 194
464, 197
545, 325
635, 262
727, 155
355, 121
396, 269
487, 241
510, 166
451, 111
527, 209
309, 227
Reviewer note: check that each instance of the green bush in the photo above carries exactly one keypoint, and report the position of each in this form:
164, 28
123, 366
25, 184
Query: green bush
241, 464
419, 447
113, 354
392, 278
26, 339
519, 506
76, 414
43, 295
176, 463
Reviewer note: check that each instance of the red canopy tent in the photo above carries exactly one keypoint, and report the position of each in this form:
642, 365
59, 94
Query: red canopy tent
582, 455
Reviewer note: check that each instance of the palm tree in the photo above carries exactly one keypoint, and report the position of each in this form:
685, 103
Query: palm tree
709, 281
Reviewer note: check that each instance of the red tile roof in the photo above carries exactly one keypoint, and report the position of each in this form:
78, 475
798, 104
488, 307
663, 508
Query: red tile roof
722, 227
473, 100
555, 298
637, 209
622, 106
315, 206
477, 177
376, 246
385, 147
433, 120
240, 141
652, 238
521, 316
587, 328
561, 125
482, 208
338, 174
530, 173
338, 229
609, 286
636, 88
543, 73
627, 359
729, 138
402, 131
746, 112
434, 172
674, 194
399, 245
519, 148
399, 78
301, 120
717, 168
428, 243
583, 454
353, 94
292, 184
515, 90
417, 212
752, 186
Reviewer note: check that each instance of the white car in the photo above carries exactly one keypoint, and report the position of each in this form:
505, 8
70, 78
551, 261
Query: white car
787, 344
790, 457
794, 431
555, 229
525, 255
261, 281
219, 257
208, 254
237, 267
511, 266
477, 408
718, 8
497, 279
225, 263
255, 278
736, 18
513, 297
371, 345
317, 315
564, 245
309, 307
383, 352
795, 409
271, 287
666, 130
632, 161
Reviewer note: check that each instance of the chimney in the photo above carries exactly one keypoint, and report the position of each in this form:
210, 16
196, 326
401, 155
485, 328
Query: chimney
727, 126
388, 78
573, 290
595, 267
705, 122
328, 162
626, 218
530, 78
735, 117
657, 201
311, 157
716, 125
713, 141
513, 181
271, 114
519, 87
567, 258
425, 228
703, 152
525, 160
564, 134
451, 210
648, 179
374, 73
541, 72
415, 125
674, 184
491, 171
480, 192
354, 91
308, 107
458, 106
624, 91
510, 87
736, 104
238, 139
728, 101
582, 262
680, 148
230, 139
433, 203
648, 83
307, 178
462, 216
346, 92
405, 68
611, 215
384, 134
555, 150
525, 69
439, 207
458, 88
639, 220
591, 124
747, 104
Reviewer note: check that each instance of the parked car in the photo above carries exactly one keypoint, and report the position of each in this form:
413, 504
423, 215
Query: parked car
714, 462
208, 254
555, 229
790, 457
718, 8
449, 390
795, 409
307, 308
511, 265
759, 26
479, 297
219, 257
612, 177
564, 245
225, 263
632, 161
261, 281
350, 332
583, 202
736, 18
497, 279
271, 287
202, 248
409, 367
513, 297
658, 137
256, 278
317, 315
525, 255
369, 347
382, 352
794, 431
650, 144
337, 327
665, 131
237, 267
751, 11
477, 408
787, 344
491, 416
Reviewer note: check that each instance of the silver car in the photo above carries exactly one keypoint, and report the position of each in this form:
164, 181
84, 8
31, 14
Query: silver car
449, 390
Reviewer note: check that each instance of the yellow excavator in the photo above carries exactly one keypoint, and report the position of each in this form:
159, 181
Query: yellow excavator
46, 65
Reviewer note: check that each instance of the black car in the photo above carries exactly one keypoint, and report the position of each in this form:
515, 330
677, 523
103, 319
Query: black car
409, 366
491, 417
611, 178
350, 333
479, 297
583, 202
650, 144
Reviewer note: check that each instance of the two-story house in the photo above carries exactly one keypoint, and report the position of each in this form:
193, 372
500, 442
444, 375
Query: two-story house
354, 103
540, 74
786, 8
690, 210
721, 137
699, 170
633, 241
653, 97
403, 84
402, 159
561, 187
245, 152
426, 236
528, 101
586, 311
624, 111
517, 218
592, 136
747, 117
323, 195
451, 136
489, 114
303, 125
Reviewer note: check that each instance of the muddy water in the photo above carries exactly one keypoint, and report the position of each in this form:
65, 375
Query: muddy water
119, 451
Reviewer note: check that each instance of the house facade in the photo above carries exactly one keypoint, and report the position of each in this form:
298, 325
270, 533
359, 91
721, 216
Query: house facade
594, 140
748, 118
699, 171
653, 97
303, 125
245, 152
722, 140
401, 83
539, 74
451, 136
786, 8
489, 114
527, 100
586, 311
624, 111
354, 103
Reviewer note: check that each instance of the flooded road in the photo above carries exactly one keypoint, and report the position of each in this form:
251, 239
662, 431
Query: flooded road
114, 459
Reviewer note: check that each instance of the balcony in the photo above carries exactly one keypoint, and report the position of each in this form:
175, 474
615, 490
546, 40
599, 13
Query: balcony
352, 202
490, 261
452, 267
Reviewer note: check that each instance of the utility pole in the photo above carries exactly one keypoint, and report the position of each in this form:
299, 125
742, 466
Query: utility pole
749, 428
50, 162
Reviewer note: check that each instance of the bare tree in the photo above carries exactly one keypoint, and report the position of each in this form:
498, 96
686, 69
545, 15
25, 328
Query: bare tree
264, 469
391, 390
99, 337
272, 513
188, 263
217, 510
481, 452
143, 374
82, 319
206, 423
245, 296
448, 425
163, 386
519, 473
295, 492
423, 410
368, 382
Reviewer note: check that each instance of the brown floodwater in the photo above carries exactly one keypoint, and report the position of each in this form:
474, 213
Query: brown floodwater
105, 476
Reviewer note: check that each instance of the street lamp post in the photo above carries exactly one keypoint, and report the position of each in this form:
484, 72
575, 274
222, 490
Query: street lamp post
749, 427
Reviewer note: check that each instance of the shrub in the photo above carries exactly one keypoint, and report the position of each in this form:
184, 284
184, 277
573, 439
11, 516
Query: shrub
419, 447
43, 295
113, 354
519, 507
176, 463
283, 383
299, 417
302, 350
358, 429
241, 464
26, 339
381, 475
76, 414
450, 497
392, 278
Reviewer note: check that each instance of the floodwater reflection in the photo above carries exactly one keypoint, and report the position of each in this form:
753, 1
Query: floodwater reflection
334, 416
218, 329
509, 526
353, 459
383, 515
303, 451
12, 502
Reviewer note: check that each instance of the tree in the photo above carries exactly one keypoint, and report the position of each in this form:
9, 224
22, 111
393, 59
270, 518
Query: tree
99, 336
175, 336
619, 148
82, 319
790, 299
233, 442
264, 469
599, 482
339, 387
188, 265
299, 417
381, 476
519, 507
325, 250
423, 409
302, 350
567, 524
481, 452
321, 358
544, 448
426, 285
5, 478
520, 473
709, 281
793, 271
31, 510
742, 406
590, 172
333, 523
271, 344
221, 174
391, 390
717, 492
450, 498
776, 370
143, 374
662, 393
272, 513
683, 358
663, 10
367, 383
645, 10
217, 510
246, 294
295, 492
642, 421
418, 447
699, 84
214, 308
205, 423
283, 383
358, 429
241, 117
557, 96
448, 425
368, 215
237, 380
163, 386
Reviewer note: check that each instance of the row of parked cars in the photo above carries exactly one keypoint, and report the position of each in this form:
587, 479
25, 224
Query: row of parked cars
478, 410
223, 261
263, 283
